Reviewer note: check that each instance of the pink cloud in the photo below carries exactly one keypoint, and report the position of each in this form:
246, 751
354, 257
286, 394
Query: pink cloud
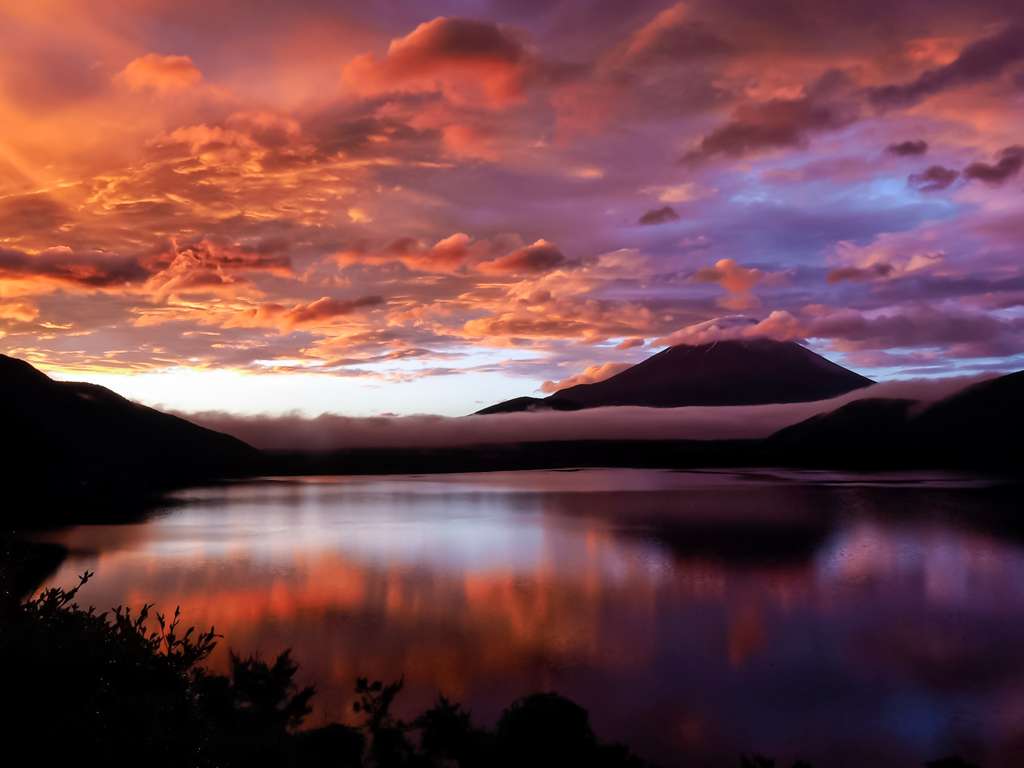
303, 315
209, 266
542, 256
629, 343
462, 57
164, 73
591, 375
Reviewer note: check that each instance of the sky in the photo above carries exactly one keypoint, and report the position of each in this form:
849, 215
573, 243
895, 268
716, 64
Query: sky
406, 207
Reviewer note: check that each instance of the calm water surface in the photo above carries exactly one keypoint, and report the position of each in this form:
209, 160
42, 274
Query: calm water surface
846, 620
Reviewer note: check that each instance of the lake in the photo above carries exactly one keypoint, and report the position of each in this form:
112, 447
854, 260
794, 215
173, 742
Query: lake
845, 619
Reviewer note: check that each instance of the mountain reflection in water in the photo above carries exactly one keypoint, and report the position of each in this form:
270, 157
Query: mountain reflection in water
844, 620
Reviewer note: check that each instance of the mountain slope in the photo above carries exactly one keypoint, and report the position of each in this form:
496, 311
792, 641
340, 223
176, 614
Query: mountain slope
979, 427
750, 372
82, 441
522, 404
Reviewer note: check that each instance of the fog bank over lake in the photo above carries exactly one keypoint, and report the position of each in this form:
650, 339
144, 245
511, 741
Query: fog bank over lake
332, 431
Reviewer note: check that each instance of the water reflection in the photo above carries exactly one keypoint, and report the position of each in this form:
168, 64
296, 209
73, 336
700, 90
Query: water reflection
844, 620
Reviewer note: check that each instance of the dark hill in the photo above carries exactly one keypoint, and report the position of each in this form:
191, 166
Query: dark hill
84, 444
521, 404
979, 427
752, 372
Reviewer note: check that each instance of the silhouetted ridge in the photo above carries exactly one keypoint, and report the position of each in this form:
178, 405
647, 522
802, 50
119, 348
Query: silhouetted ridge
978, 427
84, 442
750, 372
521, 404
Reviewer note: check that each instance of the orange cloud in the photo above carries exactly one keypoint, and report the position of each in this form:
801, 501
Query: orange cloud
209, 267
447, 255
23, 274
460, 253
24, 311
465, 141
542, 256
591, 375
734, 278
164, 73
730, 275
462, 57
304, 315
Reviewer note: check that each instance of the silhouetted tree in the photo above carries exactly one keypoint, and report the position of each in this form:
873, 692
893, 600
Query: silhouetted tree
389, 746
82, 681
447, 734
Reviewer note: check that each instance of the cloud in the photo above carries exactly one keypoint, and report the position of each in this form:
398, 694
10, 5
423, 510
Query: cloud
730, 275
468, 141
460, 253
898, 253
780, 122
736, 279
542, 256
572, 315
908, 148
960, 335
659, 216
329, 431
24, 311
934, 179
211, 266
1006, 167
22, 273
303, 315
629, 343
982, 60
592, 375
164, 73
452, 54
672, 37
680, 193
34, 212
876, 271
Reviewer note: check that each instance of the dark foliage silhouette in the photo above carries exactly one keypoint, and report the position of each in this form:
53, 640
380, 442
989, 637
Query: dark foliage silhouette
950, 762
447, 733
760, 761
125, 684
101, 679
389, 745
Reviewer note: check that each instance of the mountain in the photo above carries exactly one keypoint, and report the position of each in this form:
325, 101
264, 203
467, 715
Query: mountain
522, 404
749, 372
978, 427
82, 443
